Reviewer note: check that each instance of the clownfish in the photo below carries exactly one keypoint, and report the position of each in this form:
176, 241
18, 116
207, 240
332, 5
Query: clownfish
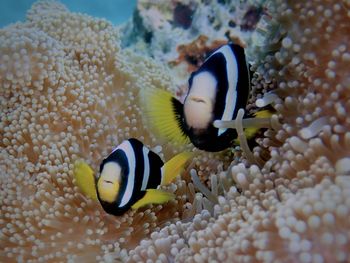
129, 177
217, 90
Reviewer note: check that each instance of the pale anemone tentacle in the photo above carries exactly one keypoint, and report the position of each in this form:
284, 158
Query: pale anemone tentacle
342, 166
275, 124
201, 187
243, 140
246, 123
267, 99
239, 123
314, 128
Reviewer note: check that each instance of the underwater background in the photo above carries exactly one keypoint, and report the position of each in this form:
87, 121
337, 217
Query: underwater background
116, 11
70, 87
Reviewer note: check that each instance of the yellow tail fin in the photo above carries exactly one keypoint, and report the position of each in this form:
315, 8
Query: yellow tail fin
164, 113
174, 166
85, 179
153, 196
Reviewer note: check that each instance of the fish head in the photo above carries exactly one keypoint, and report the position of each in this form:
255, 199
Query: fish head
199, 102
108, 183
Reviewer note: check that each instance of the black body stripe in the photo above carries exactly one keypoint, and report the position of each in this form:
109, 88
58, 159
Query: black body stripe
243, 83
155, 164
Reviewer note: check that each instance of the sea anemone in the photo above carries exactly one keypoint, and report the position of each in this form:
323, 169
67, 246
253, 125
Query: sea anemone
68, 91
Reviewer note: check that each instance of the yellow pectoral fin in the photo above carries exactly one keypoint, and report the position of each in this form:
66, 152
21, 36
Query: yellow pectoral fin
85, 179
164, 113
263, 114
261, 119
153, 196
174, 166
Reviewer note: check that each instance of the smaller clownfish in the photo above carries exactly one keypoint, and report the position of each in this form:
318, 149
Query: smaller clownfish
217, 90
129, 177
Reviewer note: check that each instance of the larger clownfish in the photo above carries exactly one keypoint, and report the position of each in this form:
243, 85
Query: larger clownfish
129, 177
217, 90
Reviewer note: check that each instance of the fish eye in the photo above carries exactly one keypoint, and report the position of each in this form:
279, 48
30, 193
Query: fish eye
195, 99
108, 182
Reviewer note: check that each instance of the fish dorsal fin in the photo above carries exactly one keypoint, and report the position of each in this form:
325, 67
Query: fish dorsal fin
153, 196
85, 179
174, 167
164, 113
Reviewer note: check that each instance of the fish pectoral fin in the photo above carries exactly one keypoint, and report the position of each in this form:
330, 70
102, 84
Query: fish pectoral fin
153, 196
85, 179
164, 113
261, 120
251, 125
175, 166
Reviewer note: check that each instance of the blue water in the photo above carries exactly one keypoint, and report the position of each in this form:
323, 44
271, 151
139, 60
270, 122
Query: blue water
116, 11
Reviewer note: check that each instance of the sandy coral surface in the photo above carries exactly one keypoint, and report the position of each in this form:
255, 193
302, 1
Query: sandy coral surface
68, 90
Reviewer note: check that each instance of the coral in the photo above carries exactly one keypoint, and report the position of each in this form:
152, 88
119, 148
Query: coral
182, 33
182, 15
68, 90
196, 52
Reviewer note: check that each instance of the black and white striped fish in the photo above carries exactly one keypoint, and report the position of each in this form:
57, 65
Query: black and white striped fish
217, 90
129, 177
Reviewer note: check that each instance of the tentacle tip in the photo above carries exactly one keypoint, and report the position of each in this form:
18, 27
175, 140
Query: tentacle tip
342, 166
305, 133
217, 124
267, 99
260, 103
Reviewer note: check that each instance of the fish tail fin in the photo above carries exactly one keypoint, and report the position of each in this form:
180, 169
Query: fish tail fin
153, 196
164, 113
175, 166
85, 179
